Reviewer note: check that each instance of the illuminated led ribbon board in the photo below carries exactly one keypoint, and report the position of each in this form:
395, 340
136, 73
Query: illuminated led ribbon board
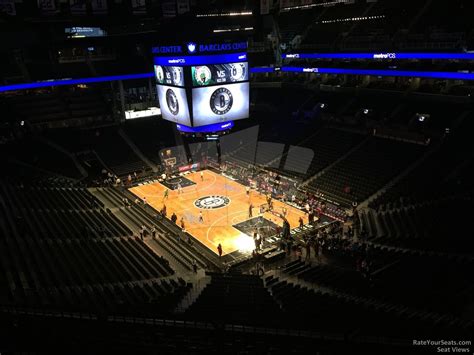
255, 70
382, 55
383, 72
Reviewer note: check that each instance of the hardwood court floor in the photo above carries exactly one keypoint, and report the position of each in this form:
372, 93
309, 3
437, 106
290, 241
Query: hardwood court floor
217, 226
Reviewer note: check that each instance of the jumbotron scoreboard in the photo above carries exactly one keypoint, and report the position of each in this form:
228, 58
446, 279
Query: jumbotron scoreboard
202, 84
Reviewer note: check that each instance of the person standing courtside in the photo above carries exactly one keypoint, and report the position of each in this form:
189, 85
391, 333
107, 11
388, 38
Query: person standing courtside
219, 249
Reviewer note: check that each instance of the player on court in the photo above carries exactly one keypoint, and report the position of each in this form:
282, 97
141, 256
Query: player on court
201, 219
180, 189
202, 175
165, 196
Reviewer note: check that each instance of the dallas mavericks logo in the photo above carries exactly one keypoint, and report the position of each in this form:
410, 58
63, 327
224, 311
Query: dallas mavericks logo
211, 202
172, 102
221, 101
191, 47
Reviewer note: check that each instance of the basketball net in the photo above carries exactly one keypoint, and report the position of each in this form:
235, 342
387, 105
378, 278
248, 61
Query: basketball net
170, 163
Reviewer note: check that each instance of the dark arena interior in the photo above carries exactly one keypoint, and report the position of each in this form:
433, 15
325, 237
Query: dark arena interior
236, 177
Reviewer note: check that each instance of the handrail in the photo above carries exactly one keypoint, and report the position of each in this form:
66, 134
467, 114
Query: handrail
198, 325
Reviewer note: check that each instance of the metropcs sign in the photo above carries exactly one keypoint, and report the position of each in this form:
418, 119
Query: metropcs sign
192, 47
385, 56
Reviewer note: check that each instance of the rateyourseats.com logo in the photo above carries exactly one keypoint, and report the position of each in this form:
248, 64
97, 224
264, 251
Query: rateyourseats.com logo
211, 202
446, 346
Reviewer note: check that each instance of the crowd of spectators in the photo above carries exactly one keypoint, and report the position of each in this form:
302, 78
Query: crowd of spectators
335, 242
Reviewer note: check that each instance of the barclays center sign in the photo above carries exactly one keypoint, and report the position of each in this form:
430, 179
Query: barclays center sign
195, 48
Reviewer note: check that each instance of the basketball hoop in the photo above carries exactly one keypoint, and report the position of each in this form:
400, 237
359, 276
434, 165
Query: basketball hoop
170, 162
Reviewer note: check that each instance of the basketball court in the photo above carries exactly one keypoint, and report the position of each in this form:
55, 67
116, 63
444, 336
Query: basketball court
224, 206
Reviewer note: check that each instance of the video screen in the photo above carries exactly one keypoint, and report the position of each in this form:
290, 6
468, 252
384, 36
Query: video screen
205, 75
169, 75
220, 103
173, 104
81, 32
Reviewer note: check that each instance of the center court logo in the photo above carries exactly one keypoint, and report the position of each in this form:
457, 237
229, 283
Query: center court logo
211, 202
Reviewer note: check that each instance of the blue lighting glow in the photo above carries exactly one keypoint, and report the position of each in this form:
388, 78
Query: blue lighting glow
415, 74
379, 55
262, 69
379, 72
201, 59
193, 47
99, 79
216, 127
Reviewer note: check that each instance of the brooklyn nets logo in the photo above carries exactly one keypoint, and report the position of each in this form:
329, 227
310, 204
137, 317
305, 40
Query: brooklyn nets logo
221, 101
211, 202
237, 72
172, 102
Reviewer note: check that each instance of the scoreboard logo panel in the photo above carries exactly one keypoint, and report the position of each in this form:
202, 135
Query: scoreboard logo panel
219, 74
172, 102
221, 101
214, 104
169, 75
